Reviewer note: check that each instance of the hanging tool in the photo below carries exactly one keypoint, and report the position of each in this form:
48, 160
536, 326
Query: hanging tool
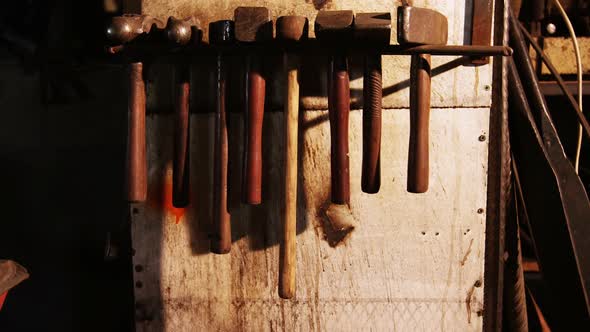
182, 33
221, 33
335, 28
290, 29
253, 24
372, 29
124, 29
420, 26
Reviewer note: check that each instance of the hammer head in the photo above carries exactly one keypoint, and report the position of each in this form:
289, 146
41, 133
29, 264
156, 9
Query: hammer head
253, 24
334, 25
124, 29
373, 28
292, 28
421, 26
183, 31
222, 32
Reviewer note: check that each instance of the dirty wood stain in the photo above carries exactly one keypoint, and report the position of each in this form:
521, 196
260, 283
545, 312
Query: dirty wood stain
464, 260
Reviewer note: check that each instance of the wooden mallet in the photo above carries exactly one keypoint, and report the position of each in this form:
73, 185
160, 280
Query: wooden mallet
221, 33
180, 33
335, 28
290, 29
372, 29
122, 30
420, 26
253, 24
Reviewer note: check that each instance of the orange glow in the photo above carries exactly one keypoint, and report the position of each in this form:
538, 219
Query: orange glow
160, 196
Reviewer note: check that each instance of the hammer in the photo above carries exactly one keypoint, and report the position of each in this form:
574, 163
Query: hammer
420, 26
122, 30
335, 27
372, 29
253, 24
290, 29
220, 33
182, 33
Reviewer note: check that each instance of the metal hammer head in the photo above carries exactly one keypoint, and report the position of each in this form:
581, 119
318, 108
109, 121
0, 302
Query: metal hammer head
292, 28
334, 25
253, 24
124, 29
222, 32
421, 26
183, 31
373, 28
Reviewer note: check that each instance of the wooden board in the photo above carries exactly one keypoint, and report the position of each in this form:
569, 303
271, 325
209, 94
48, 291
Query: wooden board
415, 262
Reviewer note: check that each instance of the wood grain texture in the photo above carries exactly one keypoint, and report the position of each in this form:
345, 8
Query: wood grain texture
452, 85
288, 250
411, 264
372, 113
418, 157
136, 167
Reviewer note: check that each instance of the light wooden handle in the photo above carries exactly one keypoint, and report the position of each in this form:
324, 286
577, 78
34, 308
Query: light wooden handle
339, 110
288, 251
372, 109
221, 232
253, 151
136, 163
418, 169
181, 162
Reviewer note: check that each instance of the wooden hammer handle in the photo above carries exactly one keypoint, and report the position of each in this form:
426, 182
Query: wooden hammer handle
418, 169
288, 250
221, 232
339, 110
136, 163
253, 151
181, 162
372, 109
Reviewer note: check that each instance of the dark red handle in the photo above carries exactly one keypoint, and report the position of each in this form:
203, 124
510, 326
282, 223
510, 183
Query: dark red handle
339, 110
253, 150
181, 163
221, 230
372, 109
136, 163
419, 120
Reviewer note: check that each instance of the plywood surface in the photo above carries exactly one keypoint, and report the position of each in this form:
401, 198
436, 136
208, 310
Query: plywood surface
415, 262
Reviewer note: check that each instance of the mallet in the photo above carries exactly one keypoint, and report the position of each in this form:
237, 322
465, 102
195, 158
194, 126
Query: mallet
182, 33
335, 27
221, 33
420, 26
124, 29
372, 29
253, 24
290, 29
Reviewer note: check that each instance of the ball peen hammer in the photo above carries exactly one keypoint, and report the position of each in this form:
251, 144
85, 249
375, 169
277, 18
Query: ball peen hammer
182, 32
420, 26
124, 29
372, 29
253, 24
290, 29
221, 33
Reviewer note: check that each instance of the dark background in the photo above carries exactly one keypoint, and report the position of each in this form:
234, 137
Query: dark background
62, 143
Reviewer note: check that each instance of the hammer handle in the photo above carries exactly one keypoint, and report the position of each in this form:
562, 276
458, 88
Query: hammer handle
419, 120
372, 109
136, 163
339, 110
181, 162
288, 258
221, 233
253, 151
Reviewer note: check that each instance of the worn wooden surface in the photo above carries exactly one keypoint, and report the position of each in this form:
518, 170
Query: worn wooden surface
414, 262
561, 52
